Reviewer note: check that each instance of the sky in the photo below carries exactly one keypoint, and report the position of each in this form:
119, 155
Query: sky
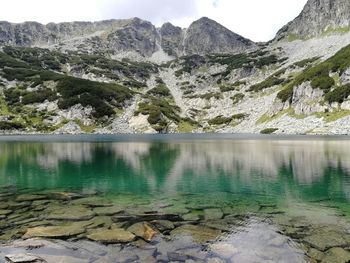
258, 20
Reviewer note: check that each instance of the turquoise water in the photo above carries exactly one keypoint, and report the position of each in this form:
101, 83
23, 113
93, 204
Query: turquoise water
301, 169
252, 190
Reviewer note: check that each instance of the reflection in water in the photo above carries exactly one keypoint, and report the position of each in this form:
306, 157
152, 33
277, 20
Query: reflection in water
275, 166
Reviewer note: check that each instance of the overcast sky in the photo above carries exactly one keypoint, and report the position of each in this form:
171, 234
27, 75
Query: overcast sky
258, 20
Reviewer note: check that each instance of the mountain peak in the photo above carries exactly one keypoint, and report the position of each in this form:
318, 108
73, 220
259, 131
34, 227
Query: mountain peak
207, 36
319, 17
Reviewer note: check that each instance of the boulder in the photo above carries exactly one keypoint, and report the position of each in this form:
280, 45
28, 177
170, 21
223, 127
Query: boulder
112, 236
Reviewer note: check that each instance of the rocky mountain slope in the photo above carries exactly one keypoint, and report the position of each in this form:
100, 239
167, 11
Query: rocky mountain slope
107, 77
132, 38
319, 17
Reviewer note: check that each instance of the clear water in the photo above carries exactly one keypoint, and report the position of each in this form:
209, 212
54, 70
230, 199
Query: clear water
302, 177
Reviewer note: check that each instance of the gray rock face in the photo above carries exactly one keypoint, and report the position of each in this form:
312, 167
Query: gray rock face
140, 36
207, 36
129, 35
318, 17
172, 38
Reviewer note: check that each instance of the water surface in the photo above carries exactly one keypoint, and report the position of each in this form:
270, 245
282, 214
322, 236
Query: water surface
267, 198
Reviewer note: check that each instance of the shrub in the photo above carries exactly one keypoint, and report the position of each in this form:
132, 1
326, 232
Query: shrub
239, 116
268, 130
286, 94
237, 98
39, 96
269, 82
339, 94
220, 120
160, 91
323, 82
6, 125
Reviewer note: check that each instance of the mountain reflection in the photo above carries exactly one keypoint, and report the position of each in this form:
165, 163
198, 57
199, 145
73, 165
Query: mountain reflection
223, 165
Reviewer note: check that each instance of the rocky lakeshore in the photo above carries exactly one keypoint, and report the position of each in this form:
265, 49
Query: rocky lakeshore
56, 226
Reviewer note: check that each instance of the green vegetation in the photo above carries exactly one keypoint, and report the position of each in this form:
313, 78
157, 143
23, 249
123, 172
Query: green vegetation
7, 125
324, 83
188, 63
157, 109
268, 130
186, 127
239, 116
237, 98
267, 83
39, 96
230, 87
160, 91
305, 62
220, 120
339, 94
333, 116
319, 74
101, 96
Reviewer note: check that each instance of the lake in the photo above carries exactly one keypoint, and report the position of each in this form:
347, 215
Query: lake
181, 198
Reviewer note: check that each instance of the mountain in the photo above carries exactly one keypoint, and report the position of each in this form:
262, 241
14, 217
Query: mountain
128, 76
130, 38
319, 17
206, 36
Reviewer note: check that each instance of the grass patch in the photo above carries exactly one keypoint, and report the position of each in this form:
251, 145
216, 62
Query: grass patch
268, 130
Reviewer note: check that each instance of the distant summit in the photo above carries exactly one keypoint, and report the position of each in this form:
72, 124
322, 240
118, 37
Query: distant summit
319, 17
126, 37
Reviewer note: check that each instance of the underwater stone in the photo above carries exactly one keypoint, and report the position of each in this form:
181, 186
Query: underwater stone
111, 236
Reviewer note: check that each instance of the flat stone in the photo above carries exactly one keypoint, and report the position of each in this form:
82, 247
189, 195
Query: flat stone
107, 211
198, 233
163, 225
100, 221
55, 231
337, 255
23, 258
71, 213
213, 213
191, 217
63, 195
92, 202
315, 254
215, 260
143, 230
112, 236
224, 250
175, 256
325, 240
63, 259
29, 197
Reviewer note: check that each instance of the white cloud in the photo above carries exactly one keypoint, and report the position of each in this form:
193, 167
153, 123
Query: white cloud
256, 19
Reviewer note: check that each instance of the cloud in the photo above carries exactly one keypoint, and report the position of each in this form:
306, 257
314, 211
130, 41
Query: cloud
157, 11
258, 20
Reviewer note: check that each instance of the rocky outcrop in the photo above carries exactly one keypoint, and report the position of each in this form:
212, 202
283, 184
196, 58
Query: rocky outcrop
172, 39
318, 17
207, 36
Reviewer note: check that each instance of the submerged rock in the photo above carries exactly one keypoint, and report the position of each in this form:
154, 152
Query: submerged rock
325, 240
213, 213
55, 231
23, 258
107, 211
111, 236
92, 201
198, 233
337, 255
72, 213
29, 197
163, 225
143, 230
